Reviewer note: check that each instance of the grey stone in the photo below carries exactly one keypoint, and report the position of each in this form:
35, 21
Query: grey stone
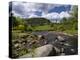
43, 51
40, 51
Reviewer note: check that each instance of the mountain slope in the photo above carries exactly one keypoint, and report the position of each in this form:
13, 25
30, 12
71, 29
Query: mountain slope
37, 21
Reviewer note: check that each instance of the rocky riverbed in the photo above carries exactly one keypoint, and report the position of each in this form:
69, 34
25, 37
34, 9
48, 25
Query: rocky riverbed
42, 44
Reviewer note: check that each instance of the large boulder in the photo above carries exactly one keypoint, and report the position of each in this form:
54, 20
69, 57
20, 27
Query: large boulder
43, 51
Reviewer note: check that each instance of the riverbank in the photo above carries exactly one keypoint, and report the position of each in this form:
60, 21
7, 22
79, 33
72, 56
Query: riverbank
27, 42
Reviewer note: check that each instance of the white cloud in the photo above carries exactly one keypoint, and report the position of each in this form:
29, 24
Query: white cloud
64, 14
33, 15
55, 15
52, 15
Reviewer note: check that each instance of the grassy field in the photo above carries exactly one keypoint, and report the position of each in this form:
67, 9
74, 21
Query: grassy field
55, 28
45, 27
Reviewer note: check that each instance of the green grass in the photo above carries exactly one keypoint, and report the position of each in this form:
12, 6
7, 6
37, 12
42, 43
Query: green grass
55, 28
72, 32
44, 27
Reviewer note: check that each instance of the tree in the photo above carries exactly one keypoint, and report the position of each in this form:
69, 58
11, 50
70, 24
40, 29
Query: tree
14, 21
74, 12
52, 24
64, 21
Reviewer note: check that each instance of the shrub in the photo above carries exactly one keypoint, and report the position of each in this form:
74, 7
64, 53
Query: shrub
61, 28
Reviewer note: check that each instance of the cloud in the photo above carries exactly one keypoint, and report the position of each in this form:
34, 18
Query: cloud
16, 14
52, 15
64, 14
33, 15
55, 15
28, 10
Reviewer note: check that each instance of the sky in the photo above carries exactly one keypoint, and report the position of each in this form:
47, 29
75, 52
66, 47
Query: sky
45, 10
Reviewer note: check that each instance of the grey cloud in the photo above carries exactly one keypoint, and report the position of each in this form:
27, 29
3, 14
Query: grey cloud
30, 9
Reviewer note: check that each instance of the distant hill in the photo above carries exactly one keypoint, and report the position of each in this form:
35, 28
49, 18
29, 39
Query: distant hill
37, 21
